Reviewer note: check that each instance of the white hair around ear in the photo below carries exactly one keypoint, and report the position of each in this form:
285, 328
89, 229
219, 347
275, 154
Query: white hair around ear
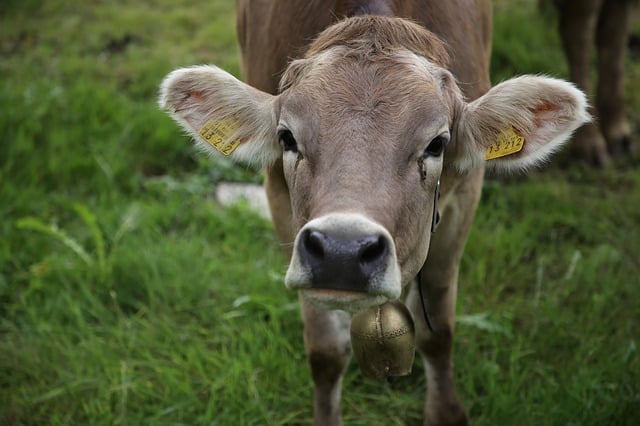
223, 114
519, 123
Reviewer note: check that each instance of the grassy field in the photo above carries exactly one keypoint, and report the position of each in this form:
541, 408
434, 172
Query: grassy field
129, 297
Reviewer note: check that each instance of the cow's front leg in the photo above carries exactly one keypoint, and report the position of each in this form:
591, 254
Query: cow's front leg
439, 282
327, 341
442, 406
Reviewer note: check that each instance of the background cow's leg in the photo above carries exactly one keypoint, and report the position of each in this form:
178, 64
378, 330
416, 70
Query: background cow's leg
611, 40
327, 341
439, 280
577, 22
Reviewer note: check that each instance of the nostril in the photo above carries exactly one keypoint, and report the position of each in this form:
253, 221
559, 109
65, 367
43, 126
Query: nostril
343, 257
372, 250
314, 244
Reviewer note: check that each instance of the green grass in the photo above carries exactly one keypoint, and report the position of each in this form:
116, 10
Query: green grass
129, 297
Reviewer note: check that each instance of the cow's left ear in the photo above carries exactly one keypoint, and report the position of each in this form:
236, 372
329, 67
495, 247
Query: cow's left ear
222, 113
518, 123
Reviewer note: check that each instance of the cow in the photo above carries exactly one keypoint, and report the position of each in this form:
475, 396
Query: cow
374, 121
608, 22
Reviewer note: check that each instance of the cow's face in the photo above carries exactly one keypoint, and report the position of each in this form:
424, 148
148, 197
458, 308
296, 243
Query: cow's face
363, 142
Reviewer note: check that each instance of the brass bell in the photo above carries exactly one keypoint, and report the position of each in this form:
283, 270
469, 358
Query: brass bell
383, 340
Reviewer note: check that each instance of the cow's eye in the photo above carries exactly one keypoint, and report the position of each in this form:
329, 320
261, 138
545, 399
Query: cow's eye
436, 146
287, 141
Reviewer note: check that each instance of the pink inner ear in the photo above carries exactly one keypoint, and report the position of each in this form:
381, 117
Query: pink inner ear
547, 117
545, 111
198, 94
190, 99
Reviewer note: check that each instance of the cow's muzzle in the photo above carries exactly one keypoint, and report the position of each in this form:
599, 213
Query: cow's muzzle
343, 260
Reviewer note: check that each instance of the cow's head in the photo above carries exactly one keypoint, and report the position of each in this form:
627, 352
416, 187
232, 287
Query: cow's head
364, 125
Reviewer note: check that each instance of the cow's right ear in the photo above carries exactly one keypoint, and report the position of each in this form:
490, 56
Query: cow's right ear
222, 113
518, 124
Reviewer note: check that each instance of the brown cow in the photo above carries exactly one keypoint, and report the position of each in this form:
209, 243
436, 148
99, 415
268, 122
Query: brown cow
369, 121
608, 21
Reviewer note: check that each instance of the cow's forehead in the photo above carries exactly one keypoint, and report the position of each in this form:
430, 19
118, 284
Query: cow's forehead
341, 67
341, 86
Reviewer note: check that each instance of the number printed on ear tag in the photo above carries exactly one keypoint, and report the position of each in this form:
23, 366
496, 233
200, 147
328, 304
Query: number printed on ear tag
217, 133
508, 142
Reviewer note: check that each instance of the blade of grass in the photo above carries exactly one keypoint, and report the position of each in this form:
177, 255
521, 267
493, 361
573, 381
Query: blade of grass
35, 224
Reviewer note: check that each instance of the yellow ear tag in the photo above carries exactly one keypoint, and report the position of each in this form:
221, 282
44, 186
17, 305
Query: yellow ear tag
217, 132
508, 142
